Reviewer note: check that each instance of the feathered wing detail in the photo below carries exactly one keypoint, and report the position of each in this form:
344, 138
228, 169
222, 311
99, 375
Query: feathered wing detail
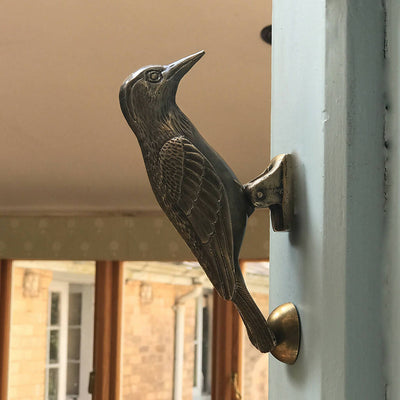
195, 200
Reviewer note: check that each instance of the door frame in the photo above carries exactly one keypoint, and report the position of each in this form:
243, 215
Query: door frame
328, 110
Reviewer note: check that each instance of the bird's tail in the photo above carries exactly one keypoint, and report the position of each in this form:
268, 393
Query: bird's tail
258, 331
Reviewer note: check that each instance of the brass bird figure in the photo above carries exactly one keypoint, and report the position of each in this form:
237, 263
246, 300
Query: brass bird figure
193, 185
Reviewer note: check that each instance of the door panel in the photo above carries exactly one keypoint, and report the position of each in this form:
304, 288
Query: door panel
327, 110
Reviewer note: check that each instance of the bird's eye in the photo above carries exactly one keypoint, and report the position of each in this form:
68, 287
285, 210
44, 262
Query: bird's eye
153, 76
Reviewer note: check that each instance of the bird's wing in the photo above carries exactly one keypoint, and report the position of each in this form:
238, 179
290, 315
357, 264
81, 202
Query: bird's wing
195, 201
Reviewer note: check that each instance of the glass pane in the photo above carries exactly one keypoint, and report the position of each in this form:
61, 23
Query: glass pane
195, 383
55, 308
52, 385
54, 346
74, 343
75, 309
206, 347
73, 379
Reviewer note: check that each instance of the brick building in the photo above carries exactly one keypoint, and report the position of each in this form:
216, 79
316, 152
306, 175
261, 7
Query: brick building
52, 332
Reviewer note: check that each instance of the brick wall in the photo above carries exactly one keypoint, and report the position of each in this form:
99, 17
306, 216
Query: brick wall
148, 342
255, 382
28, 338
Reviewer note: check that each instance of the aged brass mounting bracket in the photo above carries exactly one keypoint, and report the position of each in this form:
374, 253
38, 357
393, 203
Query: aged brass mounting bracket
273, 189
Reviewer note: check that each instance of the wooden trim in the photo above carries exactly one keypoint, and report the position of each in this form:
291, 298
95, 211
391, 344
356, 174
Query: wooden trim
116, 323
5, 318
226, 351
217, 369
107, 330
237, 351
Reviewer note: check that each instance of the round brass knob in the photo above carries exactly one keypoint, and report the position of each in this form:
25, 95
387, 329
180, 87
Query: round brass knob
284, 322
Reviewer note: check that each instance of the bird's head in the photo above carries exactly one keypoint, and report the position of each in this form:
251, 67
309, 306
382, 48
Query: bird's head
148, 94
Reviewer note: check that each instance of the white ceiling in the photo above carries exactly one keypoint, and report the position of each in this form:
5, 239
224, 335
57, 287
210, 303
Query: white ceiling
65, 144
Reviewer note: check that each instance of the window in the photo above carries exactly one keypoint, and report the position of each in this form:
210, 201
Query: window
69, 341
202, 347
56, 341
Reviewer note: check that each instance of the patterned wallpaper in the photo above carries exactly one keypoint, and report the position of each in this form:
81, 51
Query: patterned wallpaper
140, 237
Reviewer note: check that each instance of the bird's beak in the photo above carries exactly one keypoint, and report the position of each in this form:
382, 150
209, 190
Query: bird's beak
179, 68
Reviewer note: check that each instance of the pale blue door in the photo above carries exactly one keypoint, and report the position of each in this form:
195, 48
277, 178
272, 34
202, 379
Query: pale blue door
328, 109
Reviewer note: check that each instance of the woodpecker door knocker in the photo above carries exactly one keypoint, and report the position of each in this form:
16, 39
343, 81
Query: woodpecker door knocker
204, 200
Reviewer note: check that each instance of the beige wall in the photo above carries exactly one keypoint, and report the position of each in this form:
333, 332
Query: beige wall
28, 338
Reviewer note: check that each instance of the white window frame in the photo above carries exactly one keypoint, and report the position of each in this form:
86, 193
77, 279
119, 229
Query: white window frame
198, 391
62, 289
87, 331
